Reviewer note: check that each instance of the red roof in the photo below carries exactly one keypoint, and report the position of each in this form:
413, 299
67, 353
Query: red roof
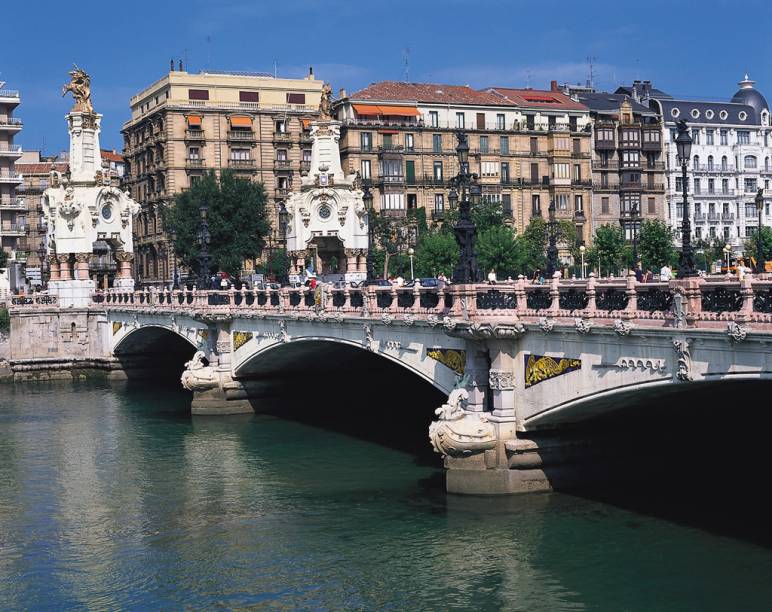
40, 168
112, 156
398, 91
536, 98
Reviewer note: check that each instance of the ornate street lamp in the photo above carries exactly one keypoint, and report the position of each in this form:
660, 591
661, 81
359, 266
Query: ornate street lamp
367, 198
686, 267
283, 222
552, 248
175, 272
203, 253
759, 246
468, 193
42, 252
635, 220
727, 251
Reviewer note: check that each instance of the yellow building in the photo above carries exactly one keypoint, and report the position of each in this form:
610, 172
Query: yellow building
185, 124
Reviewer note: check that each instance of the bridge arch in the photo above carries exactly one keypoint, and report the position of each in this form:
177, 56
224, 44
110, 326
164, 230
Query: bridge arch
155, 351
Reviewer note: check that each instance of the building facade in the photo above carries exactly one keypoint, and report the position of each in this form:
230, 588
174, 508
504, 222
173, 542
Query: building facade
528, 147
186, 124
13, 211
628, 168
731, 160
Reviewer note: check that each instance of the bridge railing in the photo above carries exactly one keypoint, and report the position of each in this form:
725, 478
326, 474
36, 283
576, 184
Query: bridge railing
711, 299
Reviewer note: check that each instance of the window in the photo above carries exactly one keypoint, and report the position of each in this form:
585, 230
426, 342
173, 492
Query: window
296, 98
578, 204
743, 137
534, 144
652, 207
392, 201
696, 185
535, 204
366, 141
750, 211
712, 231
500, 121
483, 144
249, 96
605, 134
631, 137
460, 120
631, 159
577, 144
409, 142
629, 202
711, 186
480, 121
724, 165
604, 206
240, 154
750, 161
366, 171
651, 136
434, 119
505, 172
698, 233
725, 186
504, 145
438, 171
710, 162
724, 135
391, 168
506, 204
750, 185
726, 233
561, 201
560, 171
281, 126
388, 141
439, 202
489, 168
725, 208
194, 153
437, 143
696, 136
307, 155
198, 94
281, 154
577, 173
709, 136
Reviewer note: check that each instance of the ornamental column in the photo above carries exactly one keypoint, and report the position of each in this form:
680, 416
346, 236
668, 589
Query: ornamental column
53, 270
65, 272
124, 263
81, 266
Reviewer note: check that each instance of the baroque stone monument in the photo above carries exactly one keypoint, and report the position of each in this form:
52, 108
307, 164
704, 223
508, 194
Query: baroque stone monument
81, 207
327, 226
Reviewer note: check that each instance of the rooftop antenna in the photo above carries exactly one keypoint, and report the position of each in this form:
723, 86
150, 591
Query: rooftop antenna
591, 71
406, 60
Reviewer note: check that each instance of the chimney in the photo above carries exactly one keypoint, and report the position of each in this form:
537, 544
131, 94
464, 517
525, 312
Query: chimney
342, 94
554, 86
180, 66
310, 72
171, 65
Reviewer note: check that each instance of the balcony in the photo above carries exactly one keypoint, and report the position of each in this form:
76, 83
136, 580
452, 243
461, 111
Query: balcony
630, 186
194, 163
699, 217
13, 204
390, 150
305, 138
241, 136
438, 215
428, 179
14, 229
654, 187
242, 164
10, 177
649, 145
635, 145
305, 165
713, 217
605, 187
727, 217
605, 145
282, 138
394, 212
10, 124
195, 135
602, 165
13, 151
712, 169
654, 167
9, 96
724, 193
391, 179
281, 165
581, 183
282, 193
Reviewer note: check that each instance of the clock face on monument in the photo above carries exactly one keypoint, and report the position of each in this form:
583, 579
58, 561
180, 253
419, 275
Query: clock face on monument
324, 212
323, 180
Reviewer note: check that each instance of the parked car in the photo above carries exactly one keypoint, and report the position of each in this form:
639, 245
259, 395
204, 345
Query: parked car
427, 282
375, 282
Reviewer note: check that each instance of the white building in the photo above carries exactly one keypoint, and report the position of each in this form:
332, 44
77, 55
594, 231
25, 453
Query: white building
731, 160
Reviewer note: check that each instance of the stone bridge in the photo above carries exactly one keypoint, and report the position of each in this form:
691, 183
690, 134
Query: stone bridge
514, 360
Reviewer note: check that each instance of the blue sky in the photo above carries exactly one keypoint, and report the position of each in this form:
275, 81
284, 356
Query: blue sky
692, 49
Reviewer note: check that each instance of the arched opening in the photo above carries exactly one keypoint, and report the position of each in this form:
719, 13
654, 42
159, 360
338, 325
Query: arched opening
155, 353
346, 388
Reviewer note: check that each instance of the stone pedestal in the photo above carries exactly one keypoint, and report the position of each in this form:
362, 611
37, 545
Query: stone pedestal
72, 293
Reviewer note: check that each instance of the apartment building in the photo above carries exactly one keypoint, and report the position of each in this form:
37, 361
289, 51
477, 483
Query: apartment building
186, 124
13, 212
529, 147
731, 160
628, 171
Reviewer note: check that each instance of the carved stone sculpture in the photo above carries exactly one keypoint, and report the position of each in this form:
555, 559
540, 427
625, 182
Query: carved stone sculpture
736, 332
458, 432
622, 328
684, 360
80, 88
198, 375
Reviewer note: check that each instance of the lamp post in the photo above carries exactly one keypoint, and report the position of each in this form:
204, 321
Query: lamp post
634, 219
175, 272
686, 260
582, 249
203, 254
42, 252
759, 246
727, 250
468, 193
410, 253
552, 248
367, 198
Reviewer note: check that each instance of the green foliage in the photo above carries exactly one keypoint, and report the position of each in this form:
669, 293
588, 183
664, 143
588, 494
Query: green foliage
751, 244
392, 236
609, 247
655, 244
535, 244
436, 253
499, 249
278, 263
3, 257
5, 320
237, 217
485, 215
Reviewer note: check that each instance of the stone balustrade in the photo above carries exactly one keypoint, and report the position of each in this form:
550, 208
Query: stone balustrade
690, 302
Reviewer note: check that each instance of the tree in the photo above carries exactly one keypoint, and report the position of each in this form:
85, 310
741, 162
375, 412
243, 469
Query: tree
499, 249
437, 253
536, 238
766, 244
392, 236
3, 258
237, 218
608, 248
655, 244
486, 214
278, 264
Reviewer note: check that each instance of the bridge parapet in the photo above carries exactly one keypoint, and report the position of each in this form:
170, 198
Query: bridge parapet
688, 303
